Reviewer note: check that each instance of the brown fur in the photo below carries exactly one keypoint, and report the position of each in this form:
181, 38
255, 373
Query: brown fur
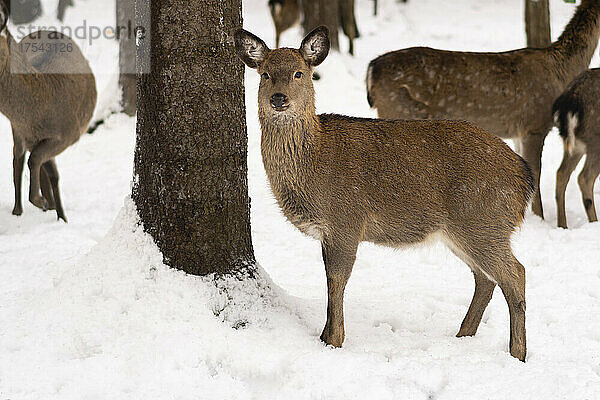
509, 94
345, 180
285, 14
48, 111
577, 114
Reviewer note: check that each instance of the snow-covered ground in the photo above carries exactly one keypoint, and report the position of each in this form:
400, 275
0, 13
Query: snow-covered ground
88, 310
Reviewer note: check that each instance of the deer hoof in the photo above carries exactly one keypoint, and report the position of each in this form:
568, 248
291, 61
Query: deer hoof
17, 211
37, 201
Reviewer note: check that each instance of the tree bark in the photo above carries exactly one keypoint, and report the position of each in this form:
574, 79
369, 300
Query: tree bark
537, 23
126, 37
190, 185
322, 12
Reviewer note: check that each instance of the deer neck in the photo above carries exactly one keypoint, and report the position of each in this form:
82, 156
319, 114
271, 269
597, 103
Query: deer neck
288, 145
574, 49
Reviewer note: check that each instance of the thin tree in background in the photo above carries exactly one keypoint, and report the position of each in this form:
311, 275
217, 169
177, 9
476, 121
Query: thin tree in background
190, 186
126, 37
537, 23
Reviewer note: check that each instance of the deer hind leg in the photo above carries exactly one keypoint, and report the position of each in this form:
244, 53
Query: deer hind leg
46, 189
18, 161
495, 261
50, 168
532, 153
586, 179
338, 256
484, 289
42, 152
568, 165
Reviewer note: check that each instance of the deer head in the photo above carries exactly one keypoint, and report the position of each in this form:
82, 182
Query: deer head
286, 86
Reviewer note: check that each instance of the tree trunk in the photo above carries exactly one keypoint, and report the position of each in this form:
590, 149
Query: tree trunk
322, 12
537, 23
190, 185
127, 68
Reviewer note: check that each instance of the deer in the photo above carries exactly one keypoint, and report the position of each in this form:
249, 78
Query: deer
576, 116
49, 99
285, 13
344, 180
509, 94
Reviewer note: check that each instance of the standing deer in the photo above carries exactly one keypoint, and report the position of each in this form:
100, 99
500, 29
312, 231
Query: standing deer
577, 116
345, 180
509, 94
285, 13
48, 111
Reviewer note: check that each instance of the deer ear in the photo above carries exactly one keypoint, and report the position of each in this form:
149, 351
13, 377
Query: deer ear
250, 48
315, 46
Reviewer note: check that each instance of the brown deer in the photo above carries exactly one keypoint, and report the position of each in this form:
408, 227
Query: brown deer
576, 115
345, 180
285, 13
509, 94
48, 110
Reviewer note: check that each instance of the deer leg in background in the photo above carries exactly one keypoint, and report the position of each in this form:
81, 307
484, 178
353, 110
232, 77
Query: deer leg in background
532, 153
62, 7
44, 151
348, 22
18, 162
484, 289
46, 189
339, 257
52, 171
587, 177
568, 165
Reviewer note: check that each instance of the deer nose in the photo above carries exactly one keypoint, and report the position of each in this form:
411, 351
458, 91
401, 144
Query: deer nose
278, 100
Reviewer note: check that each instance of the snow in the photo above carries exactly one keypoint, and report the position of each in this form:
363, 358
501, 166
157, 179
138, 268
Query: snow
89, 311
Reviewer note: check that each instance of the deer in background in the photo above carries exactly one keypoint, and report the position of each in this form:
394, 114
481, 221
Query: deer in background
48, 111
345, 180
576, 113
285, 13
509, 94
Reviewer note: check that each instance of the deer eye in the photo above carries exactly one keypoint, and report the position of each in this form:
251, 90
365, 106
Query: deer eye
298, 75
265, 75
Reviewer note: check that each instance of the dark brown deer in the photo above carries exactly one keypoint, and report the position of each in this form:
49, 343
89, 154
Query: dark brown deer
576, 115
345, 180
285, 13
48, 111
509, 94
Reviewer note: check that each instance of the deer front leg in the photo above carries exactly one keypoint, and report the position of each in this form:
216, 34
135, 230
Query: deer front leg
18, 161
532, 153
338, 258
